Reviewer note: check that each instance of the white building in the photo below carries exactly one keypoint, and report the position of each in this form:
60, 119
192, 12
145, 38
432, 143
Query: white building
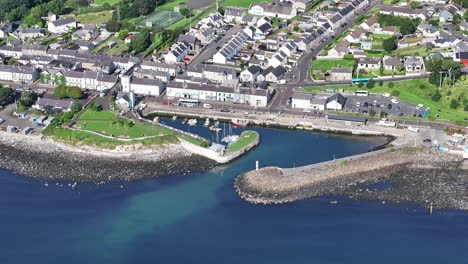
61, 26
308, 101
335, 102
177, 53
150, 87
156, 66
282, 11
21, 74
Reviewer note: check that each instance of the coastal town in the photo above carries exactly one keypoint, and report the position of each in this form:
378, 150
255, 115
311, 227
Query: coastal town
100, 75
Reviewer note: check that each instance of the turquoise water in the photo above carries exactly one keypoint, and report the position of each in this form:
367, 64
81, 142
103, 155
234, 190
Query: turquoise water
198, 218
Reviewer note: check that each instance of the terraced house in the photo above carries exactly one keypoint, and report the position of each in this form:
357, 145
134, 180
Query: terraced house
23, 74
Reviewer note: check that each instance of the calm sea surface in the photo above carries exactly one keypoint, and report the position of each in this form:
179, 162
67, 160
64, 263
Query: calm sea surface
198, 218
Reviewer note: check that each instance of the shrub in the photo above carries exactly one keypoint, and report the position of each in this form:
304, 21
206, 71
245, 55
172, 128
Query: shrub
436, 96
396, 93
391, 84
380, 83
454, 104
95, 107
422, 86
360, 85
449, 93
370, 84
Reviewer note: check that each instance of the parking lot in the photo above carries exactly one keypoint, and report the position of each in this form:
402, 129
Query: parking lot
11, 120
379, 103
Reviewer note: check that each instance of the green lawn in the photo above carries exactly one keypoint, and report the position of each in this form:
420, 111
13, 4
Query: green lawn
110, 2
245, 139
411, 92
327, 64
420, 50
242, 3
97, 18
108, 123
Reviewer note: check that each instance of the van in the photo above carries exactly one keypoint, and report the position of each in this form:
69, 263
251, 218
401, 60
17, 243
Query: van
283, 81
207, 106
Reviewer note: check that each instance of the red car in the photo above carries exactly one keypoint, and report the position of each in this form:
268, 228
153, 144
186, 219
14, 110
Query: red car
186, 59
167, 103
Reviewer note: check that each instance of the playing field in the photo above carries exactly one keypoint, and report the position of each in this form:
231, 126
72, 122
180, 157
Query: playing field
162, 18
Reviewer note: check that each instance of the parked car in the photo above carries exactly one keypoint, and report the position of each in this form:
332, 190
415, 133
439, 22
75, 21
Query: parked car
167, 103
395, 101
225, 110
386, 95
358, 104
207, 106
186, 59
1, 121
389, 106
427, 140
366, 104
401, 114
306, 110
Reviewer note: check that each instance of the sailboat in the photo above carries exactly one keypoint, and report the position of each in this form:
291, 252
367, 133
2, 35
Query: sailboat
207, 122
230, 138
215, 127
192, 122
185, 121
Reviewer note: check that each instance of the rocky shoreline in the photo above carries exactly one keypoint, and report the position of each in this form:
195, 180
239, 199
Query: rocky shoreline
34, 156
414, 175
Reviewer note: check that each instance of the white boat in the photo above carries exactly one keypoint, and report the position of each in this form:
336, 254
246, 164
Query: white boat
239, 122
385, 122
207, 122
192, 122
174, 118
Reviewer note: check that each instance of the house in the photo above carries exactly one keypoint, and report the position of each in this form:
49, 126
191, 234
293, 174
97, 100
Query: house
123, 100
279, 59
43, 104
87, 32
30, 33
392, 63
341, 74
151, 74
339, 50
156, 66
369, 63
283, 10
250, 74
366, 45
206, 36
192, 41
430, 32
7, 28
461, 56
445, 41
23, 74
248, 20
84, 45
356, 35
445, 16
273, 74
230, 48
370, 23
301, 5
62, 25
145, 86
404, 12
218, 74
128, 38
464, 26
34, 50
388, 30
308, 101
177, 53
234, 14
335, 102
414, 64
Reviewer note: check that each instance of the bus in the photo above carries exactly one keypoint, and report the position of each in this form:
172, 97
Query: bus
361, 93
189, 102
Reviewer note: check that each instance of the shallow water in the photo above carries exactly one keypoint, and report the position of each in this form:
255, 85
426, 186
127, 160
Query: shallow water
198, 218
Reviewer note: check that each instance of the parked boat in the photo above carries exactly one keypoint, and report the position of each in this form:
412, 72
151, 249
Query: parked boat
174, 118
192, 122
214, 128
239, 122
185, 121
207, 122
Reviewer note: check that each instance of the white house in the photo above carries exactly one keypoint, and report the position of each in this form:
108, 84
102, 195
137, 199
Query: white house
156, 66
308, 101
335, 102
61, 26
282, 11
23, 74
250, 74
177, 53
149, 87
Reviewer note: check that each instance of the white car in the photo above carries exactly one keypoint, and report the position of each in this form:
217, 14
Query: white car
395, 101
207, 106
386, 95
358, 104
1, 121
306, 110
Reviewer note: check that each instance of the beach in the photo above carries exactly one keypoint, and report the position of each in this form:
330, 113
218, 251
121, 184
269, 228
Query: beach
43, 158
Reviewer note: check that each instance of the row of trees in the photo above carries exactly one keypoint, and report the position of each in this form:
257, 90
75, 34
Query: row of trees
30, 11
440, 68
406, 25
72, 92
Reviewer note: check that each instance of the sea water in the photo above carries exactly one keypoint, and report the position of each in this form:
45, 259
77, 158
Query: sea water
198, 218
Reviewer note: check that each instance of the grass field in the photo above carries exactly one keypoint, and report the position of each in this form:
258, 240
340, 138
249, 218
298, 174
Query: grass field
242, 3
419, 91
108, 123
245, 139
97, 18
110, 2
327, 64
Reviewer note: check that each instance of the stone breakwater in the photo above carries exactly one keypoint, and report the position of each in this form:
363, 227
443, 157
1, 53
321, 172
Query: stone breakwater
45, 159
415, 175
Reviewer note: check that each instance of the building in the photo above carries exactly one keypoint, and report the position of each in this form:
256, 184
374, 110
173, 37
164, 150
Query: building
230, 48
369, 63
339, 50
404, 12
392, 63
156, 66
62, 25
308, 101
283, 11
272, 74
234, 14
250, 74
445, 16
414, 64
355, 36
22, 74
177, 53
30, 33
341, 74
145, 86
43, 104
335, 102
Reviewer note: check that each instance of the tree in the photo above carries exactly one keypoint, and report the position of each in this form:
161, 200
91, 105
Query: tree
123, 33
221, 10
434, 23
457, 19
389, 44
27, 98
76, 107
370, 84
434, 65
113, 26
360, 85
454, 104
395, 93
6, 96
383, 114
400, 67
390, 85
140, 41
465, 16
74, 92
436, 96
414, 4
185, 12
95, 107
380, 83
60, 92
453, 69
